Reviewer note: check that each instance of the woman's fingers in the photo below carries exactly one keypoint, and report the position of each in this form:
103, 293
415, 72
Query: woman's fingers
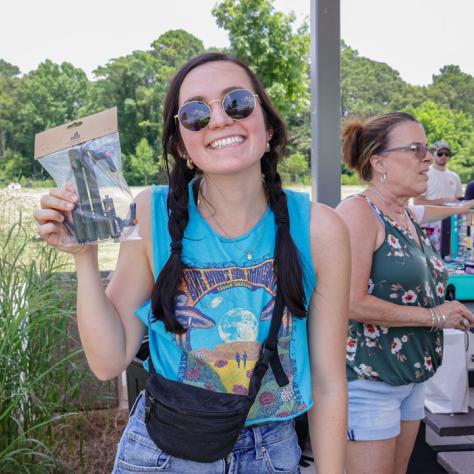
51, 201
47, 229
464, 317
66, 193
44, 215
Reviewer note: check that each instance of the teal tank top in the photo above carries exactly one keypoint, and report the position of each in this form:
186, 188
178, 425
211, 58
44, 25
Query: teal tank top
226, 301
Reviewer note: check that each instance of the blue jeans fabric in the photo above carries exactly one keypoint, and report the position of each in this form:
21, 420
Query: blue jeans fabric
267, 448
376, 408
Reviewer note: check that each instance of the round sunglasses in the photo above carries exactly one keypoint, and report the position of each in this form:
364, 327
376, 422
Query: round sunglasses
419, 149
195, 115
443, 153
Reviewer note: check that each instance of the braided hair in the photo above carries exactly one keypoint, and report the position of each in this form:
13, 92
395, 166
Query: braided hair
287, 265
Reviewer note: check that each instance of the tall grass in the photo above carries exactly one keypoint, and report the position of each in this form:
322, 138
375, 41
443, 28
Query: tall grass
37, 378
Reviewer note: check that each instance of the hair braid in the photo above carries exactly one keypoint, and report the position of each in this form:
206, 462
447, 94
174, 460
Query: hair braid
166, 286
287, 262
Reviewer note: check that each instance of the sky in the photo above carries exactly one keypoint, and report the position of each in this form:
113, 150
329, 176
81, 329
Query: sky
415, 37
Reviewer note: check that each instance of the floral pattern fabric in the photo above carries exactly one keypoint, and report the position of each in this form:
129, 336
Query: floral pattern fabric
406, 274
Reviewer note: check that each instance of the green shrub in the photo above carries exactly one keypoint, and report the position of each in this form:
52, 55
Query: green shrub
36, 384
350, 180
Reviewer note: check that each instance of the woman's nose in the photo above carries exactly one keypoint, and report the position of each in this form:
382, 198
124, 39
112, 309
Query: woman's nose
218, 117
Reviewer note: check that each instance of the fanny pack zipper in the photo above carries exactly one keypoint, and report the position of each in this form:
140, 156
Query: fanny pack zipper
150, 409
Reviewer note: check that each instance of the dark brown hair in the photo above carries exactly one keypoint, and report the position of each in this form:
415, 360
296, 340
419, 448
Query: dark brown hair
363, 139
287, 265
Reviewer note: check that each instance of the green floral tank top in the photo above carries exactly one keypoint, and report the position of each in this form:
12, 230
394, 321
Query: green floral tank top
406, 274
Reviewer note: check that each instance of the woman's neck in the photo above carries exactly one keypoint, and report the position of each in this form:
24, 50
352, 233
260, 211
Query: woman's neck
390, 200
232, 205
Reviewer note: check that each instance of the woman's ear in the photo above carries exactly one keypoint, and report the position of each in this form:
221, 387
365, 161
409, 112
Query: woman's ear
269, 134
377, 163
182, 151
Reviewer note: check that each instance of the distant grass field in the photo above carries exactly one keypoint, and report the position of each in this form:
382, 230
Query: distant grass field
16, 203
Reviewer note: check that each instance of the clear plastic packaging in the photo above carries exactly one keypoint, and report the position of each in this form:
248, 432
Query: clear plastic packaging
106, 209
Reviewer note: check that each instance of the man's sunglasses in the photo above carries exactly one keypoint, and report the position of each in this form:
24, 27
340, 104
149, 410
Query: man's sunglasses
443, 153
196, 115
419, 149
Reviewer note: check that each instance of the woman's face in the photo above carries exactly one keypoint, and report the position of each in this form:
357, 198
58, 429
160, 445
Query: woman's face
246, 139
405, 173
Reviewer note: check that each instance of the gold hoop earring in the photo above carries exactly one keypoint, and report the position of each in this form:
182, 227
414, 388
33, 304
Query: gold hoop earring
267, 148
383, 177
189, 164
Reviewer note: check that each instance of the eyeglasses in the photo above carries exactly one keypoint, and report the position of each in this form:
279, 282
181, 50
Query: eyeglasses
443, 153
420, 149
196, 115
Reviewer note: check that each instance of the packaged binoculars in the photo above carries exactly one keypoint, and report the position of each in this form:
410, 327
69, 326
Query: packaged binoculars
86, 153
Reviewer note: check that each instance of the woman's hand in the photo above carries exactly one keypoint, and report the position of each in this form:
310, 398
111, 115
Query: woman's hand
465, 207
56, 208
457, 315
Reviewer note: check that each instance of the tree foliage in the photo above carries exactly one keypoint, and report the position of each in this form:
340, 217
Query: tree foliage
272, 44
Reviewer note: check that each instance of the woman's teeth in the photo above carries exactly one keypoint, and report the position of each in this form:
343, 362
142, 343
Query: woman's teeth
228, 141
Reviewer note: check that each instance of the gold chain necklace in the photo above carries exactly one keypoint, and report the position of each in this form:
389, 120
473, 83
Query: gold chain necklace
247, 252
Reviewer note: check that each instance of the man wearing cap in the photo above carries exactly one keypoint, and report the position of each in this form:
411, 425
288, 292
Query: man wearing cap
444, 185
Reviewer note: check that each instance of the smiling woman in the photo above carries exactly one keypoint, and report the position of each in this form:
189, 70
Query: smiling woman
224, 282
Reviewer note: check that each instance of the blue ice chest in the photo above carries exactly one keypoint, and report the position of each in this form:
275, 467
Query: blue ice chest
460, 260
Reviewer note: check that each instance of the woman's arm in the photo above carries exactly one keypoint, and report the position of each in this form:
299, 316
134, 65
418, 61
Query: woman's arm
366, 235
327, 339
422, 201
109, 330
437, 213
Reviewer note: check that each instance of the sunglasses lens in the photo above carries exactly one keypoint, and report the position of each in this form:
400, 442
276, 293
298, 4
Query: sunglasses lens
239, 104
194, 116
421, 150
443, 153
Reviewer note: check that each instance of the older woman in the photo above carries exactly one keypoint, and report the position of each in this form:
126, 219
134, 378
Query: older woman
397, 307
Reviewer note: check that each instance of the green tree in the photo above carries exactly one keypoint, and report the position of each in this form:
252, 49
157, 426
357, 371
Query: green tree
454, 89
367, 87
137, 85
9, 89
443, 123
51, 95
143, 165
271, 44
295, 169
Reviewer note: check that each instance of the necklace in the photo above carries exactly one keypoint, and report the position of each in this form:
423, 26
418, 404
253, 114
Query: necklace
400, 212
247, 252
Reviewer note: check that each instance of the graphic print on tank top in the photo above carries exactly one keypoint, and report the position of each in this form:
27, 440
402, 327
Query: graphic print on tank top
221, 344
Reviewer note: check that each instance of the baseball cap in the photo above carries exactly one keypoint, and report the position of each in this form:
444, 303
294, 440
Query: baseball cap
441, 145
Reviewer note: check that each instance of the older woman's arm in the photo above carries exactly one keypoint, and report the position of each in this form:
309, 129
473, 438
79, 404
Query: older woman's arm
327, 339
366, 235
437, 213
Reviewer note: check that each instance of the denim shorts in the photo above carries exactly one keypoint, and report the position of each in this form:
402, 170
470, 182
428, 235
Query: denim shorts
377, 408
265, 448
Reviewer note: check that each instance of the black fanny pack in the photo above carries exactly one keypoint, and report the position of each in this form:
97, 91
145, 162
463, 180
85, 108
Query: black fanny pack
200, 425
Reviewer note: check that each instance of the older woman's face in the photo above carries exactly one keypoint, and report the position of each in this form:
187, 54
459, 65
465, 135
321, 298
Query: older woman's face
226, 146
405, 173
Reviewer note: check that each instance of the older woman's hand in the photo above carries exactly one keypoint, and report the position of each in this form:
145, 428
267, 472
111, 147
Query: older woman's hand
457, 315
466, 207
56, 207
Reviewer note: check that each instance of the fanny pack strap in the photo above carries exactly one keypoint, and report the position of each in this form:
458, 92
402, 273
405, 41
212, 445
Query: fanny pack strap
268, 353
